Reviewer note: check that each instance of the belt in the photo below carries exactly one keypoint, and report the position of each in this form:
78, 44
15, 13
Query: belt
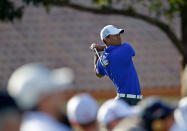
130, 96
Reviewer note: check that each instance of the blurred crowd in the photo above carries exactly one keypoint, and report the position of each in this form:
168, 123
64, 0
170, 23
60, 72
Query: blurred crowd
35, 101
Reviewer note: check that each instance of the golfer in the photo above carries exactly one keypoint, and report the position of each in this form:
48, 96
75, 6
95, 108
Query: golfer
116, 62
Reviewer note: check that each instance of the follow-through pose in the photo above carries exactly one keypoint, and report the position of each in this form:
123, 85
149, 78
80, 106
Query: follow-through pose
116, 62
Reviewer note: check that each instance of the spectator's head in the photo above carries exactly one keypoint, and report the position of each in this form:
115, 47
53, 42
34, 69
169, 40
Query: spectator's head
82, 111
112, 112
180, 115
156, 114
10, 115
35, 86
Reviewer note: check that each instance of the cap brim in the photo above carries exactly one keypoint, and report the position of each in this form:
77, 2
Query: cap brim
122, 31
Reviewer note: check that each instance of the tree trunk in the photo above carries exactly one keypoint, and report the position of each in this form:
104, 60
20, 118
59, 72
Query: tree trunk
184, 77
184, 42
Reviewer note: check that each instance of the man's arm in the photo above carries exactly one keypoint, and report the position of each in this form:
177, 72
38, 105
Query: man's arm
95, 66
99, 48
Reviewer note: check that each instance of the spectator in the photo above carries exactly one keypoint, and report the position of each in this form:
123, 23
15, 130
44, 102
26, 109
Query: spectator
129, 124
82, 111
10, 119
156, 114
180, 116
39, 91
112, 112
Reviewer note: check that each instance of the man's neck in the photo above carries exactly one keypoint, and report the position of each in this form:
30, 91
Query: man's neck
114, 45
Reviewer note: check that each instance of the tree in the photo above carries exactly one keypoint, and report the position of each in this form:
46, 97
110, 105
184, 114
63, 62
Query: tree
157, 10
8, 12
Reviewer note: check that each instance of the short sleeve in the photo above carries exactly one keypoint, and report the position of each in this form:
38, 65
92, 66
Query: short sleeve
132, 50
100, 69
129, 48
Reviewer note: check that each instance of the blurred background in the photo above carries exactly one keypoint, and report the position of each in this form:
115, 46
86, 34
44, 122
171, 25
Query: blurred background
58, 33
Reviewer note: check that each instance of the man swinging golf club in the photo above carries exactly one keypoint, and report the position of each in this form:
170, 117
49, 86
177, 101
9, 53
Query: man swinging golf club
116, 62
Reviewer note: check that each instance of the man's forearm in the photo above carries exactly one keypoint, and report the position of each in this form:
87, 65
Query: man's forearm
96, 57
102, 47
95, 62
95, 66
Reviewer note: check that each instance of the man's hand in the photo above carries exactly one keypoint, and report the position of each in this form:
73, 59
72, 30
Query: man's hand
98, 47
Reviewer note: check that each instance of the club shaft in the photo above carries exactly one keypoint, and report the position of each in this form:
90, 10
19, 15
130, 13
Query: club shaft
98, 56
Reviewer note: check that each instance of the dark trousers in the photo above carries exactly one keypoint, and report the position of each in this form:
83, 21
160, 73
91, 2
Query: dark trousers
130, 101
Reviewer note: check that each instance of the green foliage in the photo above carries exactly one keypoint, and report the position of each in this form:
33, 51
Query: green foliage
38, 2
167, 8
156, 7
8, 12
34, 2
177, 2
102, 3
159, 8
176, 6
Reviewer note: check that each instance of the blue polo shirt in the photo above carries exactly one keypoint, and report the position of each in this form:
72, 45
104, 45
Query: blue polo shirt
121, 69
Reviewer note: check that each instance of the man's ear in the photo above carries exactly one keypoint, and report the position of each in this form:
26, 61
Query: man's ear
105, 39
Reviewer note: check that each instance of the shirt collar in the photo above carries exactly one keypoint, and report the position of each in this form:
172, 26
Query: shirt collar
110, 48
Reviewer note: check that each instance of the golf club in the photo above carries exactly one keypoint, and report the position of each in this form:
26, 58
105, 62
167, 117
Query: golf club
104, 62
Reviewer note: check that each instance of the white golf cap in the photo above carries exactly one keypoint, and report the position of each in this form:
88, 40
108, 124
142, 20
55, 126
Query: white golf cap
112, 110
82, 109
180, 114
31, 81
110, 30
